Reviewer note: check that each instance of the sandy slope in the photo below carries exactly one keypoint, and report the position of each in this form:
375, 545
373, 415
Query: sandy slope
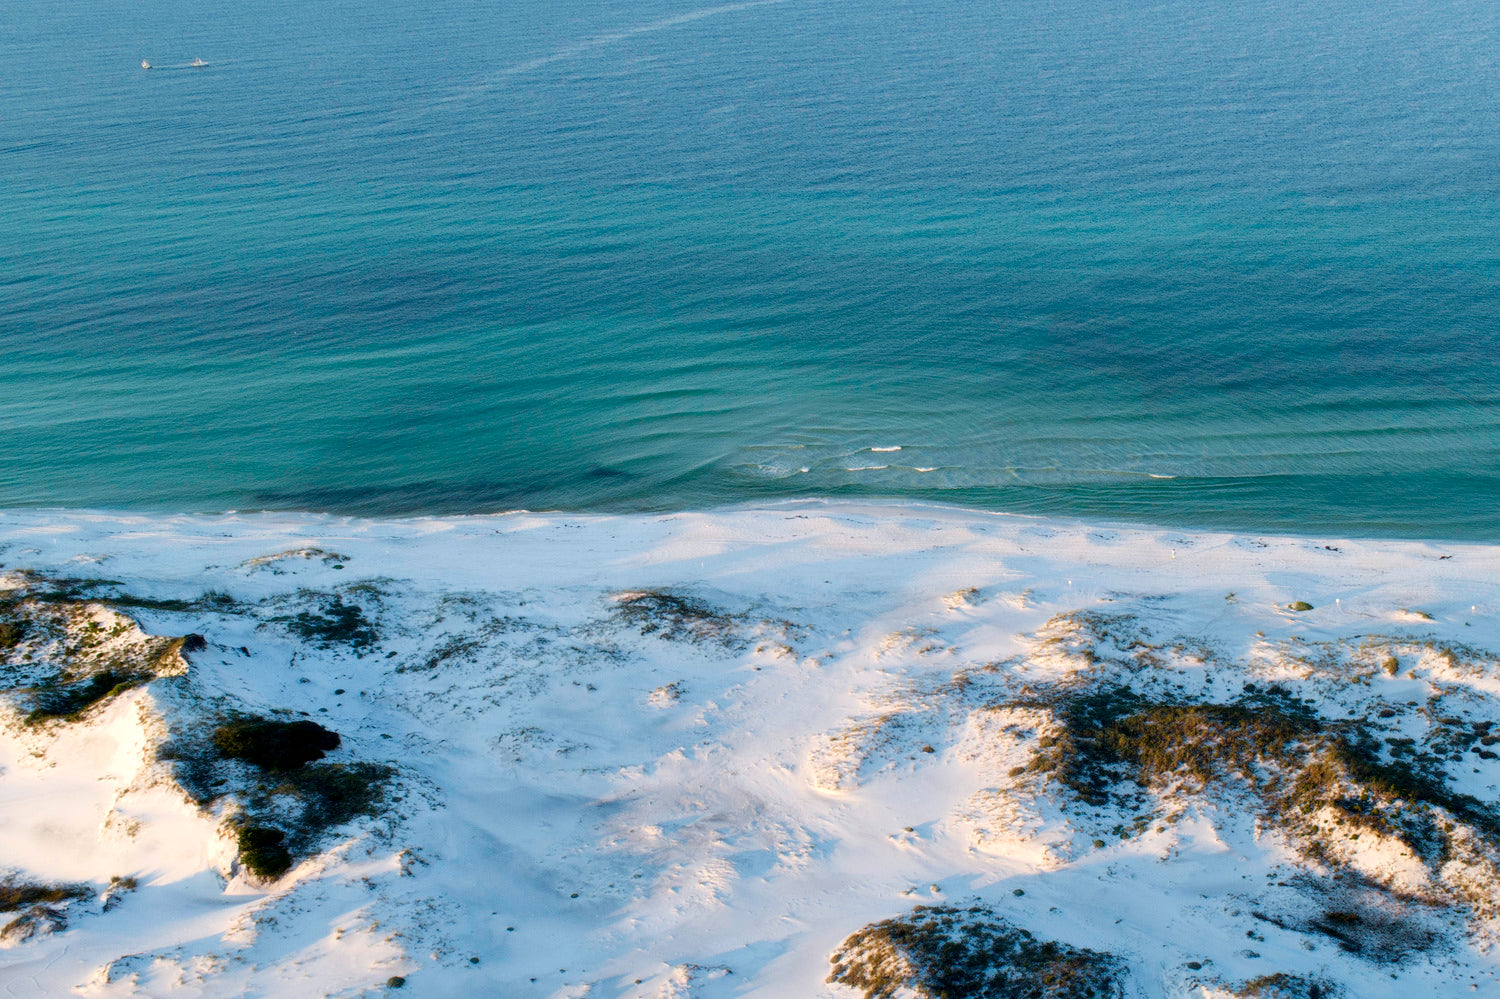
602, 795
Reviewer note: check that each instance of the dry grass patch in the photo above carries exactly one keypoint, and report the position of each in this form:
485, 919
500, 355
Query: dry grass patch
946, 952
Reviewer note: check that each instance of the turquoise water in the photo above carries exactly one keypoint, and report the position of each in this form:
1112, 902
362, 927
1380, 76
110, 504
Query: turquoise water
1200, 264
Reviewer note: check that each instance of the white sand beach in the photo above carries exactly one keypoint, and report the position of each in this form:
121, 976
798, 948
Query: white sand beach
690, 754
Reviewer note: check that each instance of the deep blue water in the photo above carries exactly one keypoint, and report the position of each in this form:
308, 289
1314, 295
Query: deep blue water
1192, 263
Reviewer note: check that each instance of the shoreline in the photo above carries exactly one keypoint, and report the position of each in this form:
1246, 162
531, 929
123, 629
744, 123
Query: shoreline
894, 507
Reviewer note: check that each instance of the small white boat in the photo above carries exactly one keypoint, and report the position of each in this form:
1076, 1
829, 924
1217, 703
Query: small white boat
145, 64
199, 62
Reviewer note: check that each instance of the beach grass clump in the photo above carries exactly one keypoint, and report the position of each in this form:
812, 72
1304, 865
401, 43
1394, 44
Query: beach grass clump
1324, 782
273, 745
165, 655
679, 618
12, 632
67, 652
1113, 734
69, 699
40, 907
1299, 606
272, 561
948, 952
1281, 985
1112, 741
18, 893
34, 921
336, 623
213, 600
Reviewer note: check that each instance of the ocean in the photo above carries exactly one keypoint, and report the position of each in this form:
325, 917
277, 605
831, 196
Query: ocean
1217, 265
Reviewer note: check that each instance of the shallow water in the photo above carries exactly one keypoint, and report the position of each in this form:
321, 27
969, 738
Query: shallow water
1196, 264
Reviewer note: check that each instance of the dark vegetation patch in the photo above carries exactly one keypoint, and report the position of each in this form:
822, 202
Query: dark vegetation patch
70, 699
331, 794
1281, 985
1360, 916
55, 589
1449, 738
1365, 920
287, 817
1114, 742
335, 623
274, 745
1373, 927
462, 648
34, 921
12, 630
262, 850
679, 618
58, 590
213, 600
946, 952
1140, 726
41, 907
286, 801
91, 676
16, 893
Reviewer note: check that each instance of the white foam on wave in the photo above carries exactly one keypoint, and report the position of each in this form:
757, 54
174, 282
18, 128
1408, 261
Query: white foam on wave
868, 468
780, 470
879, 449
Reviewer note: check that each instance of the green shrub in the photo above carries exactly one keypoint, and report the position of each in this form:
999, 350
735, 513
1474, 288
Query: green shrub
262, 852
1300, 605
274, 745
